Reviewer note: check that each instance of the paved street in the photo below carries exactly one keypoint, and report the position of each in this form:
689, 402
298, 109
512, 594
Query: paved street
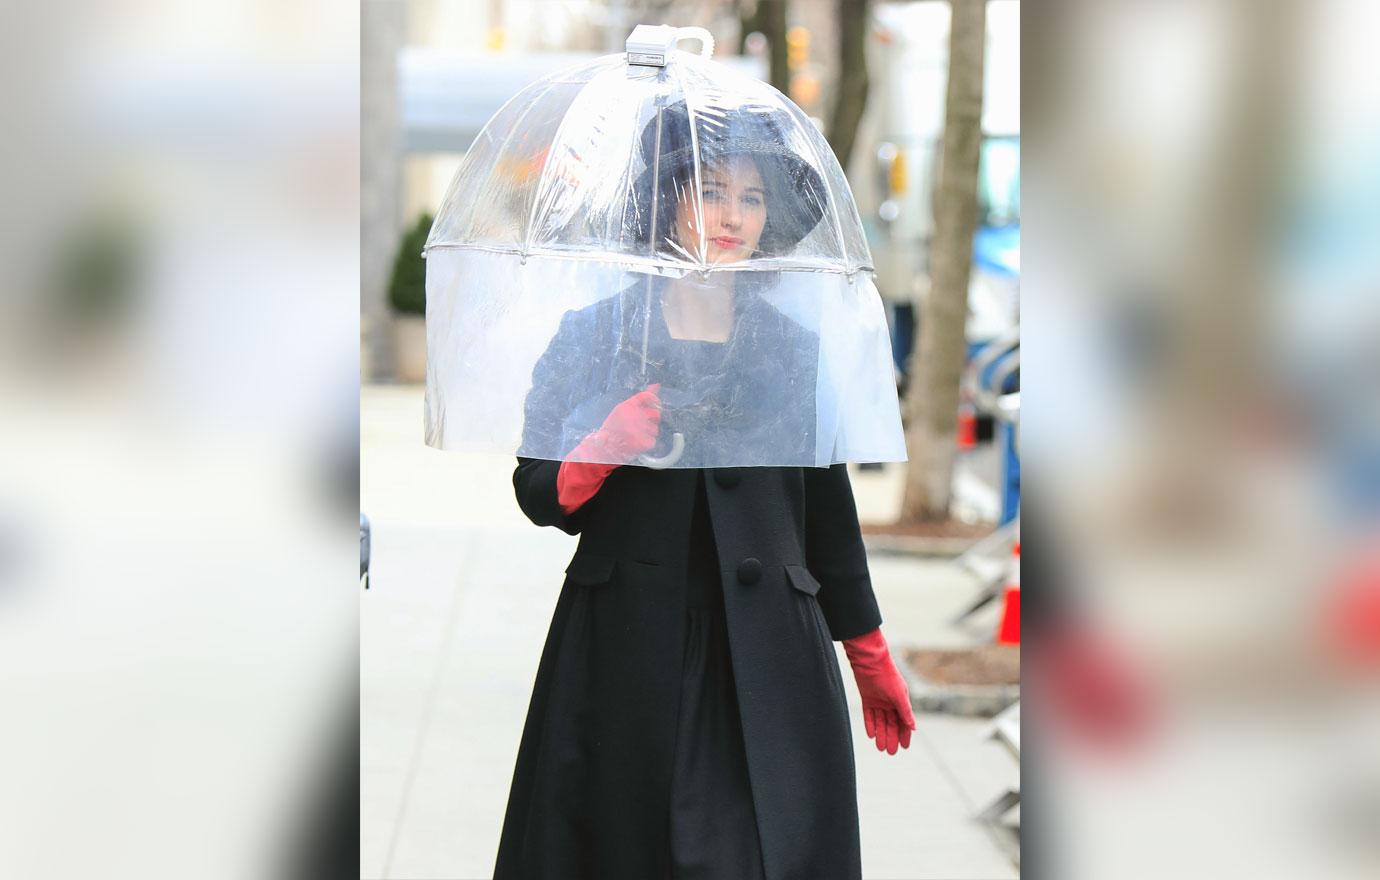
444, 691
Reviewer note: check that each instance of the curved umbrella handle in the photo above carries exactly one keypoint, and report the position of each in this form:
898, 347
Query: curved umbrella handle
670, 458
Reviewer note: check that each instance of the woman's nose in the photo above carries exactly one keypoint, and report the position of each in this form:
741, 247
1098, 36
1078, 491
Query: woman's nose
730, 218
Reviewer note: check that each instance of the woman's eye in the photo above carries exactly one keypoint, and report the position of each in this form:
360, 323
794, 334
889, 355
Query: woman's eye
752, 200
710, 195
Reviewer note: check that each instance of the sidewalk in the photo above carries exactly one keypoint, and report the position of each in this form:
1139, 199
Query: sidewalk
444, 692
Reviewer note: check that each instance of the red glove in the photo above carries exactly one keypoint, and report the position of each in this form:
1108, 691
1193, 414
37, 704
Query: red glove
885, 697
629, 431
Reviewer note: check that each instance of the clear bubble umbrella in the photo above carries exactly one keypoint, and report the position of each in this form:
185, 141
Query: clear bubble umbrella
654, 219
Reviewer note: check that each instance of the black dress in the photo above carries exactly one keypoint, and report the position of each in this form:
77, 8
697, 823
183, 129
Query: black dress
713, 830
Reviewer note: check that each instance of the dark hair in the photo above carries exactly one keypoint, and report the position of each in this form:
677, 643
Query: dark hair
795, 192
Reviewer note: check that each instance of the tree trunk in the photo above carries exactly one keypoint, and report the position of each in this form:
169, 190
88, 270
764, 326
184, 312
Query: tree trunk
771, 21
850, 99
938, 361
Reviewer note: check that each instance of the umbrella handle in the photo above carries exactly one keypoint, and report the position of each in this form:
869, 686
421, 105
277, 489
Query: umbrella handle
670, 458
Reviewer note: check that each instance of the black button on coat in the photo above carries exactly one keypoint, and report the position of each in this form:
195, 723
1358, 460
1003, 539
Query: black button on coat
750, 570
727, 477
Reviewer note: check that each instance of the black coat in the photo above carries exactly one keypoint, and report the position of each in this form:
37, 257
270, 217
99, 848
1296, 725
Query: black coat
590, 791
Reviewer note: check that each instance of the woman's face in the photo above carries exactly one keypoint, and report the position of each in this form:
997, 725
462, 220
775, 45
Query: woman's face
735, 210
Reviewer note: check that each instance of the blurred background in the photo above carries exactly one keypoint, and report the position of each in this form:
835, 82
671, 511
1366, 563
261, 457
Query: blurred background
1201, 317
185, 291
444, 690
179, 277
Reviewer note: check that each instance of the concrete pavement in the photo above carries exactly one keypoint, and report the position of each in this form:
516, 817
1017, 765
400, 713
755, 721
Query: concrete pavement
444, 692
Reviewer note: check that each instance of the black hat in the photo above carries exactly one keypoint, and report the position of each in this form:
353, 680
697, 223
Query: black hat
795, 192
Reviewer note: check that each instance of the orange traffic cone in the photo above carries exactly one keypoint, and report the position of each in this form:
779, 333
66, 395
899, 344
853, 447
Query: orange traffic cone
1009, 631
967, 426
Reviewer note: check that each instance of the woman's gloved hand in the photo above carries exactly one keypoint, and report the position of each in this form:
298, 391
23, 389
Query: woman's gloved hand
885, 697
630, 430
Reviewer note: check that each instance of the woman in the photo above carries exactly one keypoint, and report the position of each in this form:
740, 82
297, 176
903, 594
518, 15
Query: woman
688, 718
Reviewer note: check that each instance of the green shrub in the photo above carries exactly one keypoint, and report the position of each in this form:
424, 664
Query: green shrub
407, 290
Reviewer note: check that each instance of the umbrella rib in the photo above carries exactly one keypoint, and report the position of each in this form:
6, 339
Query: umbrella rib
828, 190
517, 124
647, 287
469, 160
542, 183
695, 164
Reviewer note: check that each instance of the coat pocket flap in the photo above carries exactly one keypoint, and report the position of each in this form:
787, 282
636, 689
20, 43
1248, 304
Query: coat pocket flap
589, 569
802, 580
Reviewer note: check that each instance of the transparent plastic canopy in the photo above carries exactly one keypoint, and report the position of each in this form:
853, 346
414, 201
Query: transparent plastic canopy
618, 226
